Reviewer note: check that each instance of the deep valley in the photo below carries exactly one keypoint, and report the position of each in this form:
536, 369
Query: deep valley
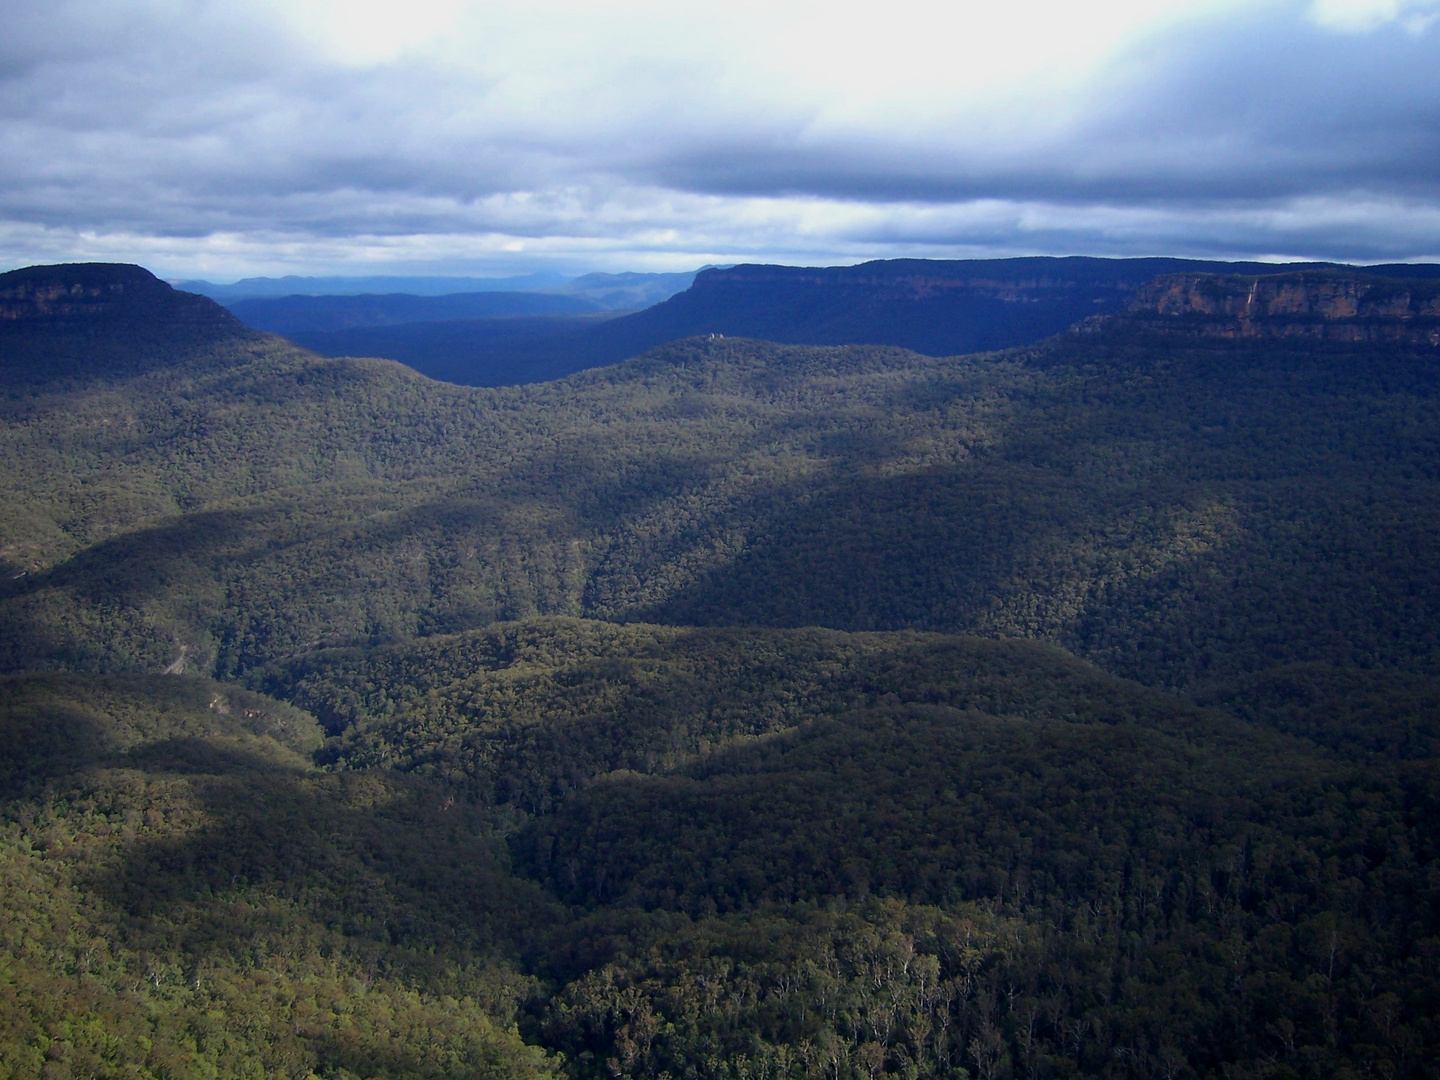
769, 707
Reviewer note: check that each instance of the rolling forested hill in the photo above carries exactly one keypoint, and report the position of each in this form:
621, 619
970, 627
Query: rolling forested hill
744, 710
1181, 508
655, 849
187, 895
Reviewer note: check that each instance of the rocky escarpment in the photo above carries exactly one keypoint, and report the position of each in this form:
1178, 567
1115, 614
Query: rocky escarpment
1324, 305
87, 320
940, 308
72, 293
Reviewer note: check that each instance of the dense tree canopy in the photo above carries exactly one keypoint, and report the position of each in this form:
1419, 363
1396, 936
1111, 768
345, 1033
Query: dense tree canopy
1182, 512
739, 712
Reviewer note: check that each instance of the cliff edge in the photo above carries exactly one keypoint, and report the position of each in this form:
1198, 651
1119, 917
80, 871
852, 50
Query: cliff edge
99, 320
1326, 305
72, 293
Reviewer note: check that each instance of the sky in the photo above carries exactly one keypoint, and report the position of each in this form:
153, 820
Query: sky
218, 139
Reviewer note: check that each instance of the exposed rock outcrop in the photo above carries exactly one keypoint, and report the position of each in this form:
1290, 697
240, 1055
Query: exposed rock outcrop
88, 320
936, 307
89, 292
1326, 305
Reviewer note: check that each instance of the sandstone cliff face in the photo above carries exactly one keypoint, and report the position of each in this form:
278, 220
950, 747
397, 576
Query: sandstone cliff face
87, 320
33, 300
75, 291
1328, 306
74, 296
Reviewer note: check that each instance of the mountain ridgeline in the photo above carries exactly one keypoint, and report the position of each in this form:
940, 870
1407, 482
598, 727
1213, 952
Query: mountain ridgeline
1324, 305
98, 320
1181, 508
812, 708
494, 337
932, 307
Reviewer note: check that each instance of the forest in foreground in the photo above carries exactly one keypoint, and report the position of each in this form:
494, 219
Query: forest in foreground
740, 712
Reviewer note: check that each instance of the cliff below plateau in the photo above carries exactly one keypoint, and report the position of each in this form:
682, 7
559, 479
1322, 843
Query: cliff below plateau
1323, 305
106, 319
89, 291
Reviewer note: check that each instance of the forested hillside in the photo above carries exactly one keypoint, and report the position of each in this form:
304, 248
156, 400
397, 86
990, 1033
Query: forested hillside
729, 852
1040, 869
186, 895
743, 711
1183, 510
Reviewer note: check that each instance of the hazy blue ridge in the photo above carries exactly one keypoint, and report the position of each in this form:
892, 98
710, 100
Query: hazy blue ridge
289, 314
937, 308
355, 286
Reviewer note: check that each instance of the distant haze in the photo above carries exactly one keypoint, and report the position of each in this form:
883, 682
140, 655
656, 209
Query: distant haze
603, 292
447, 138
359, 285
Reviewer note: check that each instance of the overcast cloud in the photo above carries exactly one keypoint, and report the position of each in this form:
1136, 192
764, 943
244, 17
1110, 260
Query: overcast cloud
225, 139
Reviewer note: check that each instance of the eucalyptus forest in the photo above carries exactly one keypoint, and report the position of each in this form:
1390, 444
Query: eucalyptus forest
744, 710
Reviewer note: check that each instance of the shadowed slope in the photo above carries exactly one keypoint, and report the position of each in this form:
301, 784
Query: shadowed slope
73, 323
1181, 509
184, 895
935, 307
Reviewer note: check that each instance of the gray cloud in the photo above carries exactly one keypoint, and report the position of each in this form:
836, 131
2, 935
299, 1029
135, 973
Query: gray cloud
214, 140
1267, 107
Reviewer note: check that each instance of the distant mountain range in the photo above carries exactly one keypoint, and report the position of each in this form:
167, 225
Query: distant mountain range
938, 308
250, 288
477, 331
289, 315
935, 308
610, 292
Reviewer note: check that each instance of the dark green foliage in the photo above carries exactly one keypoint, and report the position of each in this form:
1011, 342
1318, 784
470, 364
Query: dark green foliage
527, 712
1365, 712
186, 896
888, 989
1182, 513
793, 991
930, 804
799, 828
1106, 880
54, 724
1074, 866
1176, 515
1238, 908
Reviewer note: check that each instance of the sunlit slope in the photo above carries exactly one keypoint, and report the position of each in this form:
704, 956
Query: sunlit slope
1179, 509
528, 712
910, 852
186, 895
